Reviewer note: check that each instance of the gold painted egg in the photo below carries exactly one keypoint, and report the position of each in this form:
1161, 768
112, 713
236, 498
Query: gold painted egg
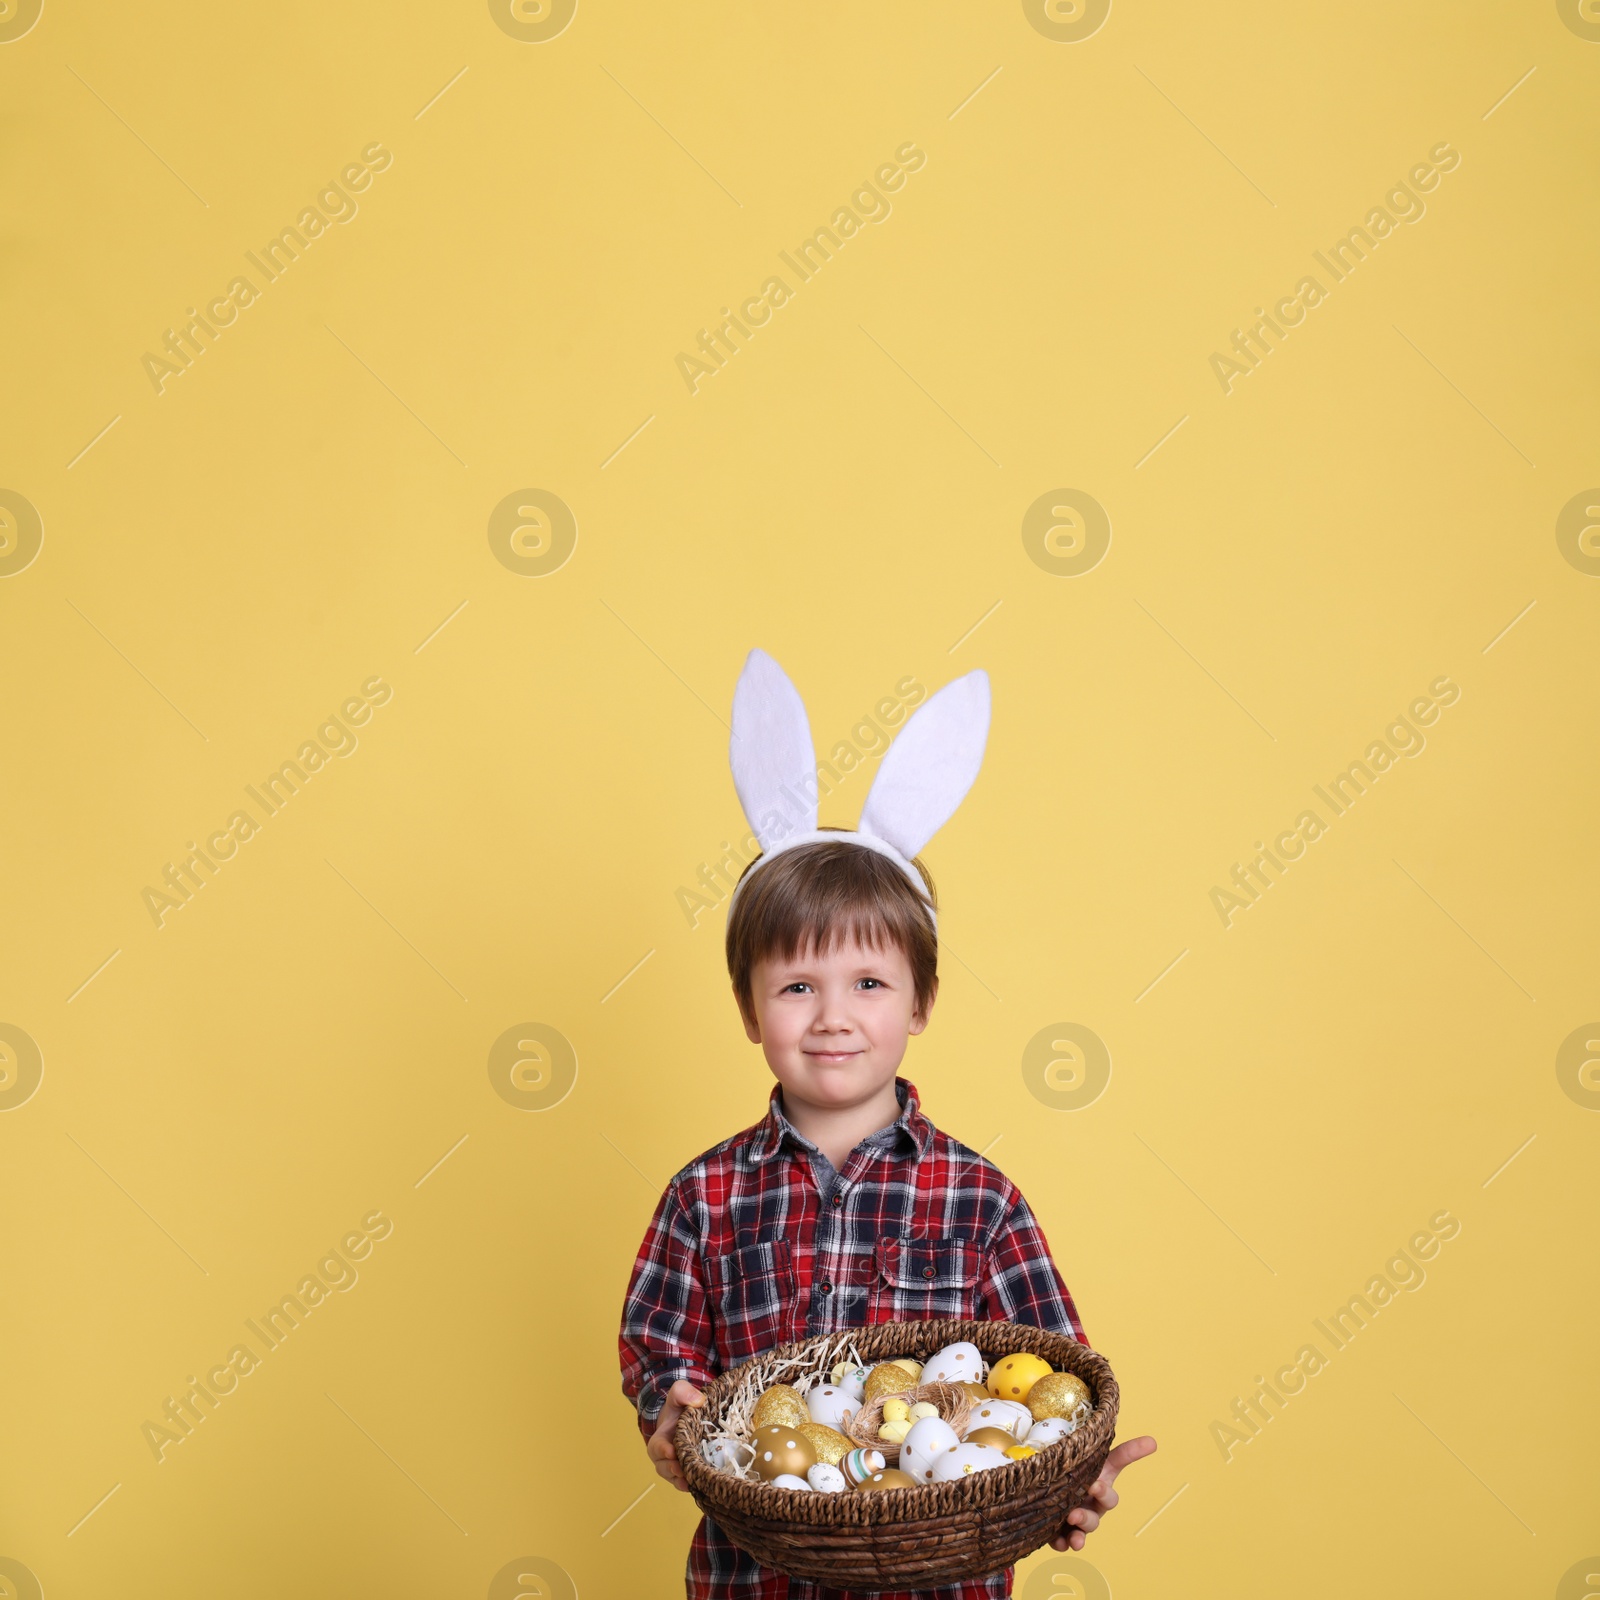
976, 1391
998, 1437
913, 1367
830, 1445
888, 1377
780, 1403
889, 1478
780, 1449
1011, 1377
1059, 1394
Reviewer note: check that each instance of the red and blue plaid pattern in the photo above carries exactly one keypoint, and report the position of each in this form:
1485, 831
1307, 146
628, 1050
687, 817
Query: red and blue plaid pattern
753, 1245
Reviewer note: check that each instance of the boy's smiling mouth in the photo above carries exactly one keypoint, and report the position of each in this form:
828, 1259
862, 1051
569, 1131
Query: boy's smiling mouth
833, 1055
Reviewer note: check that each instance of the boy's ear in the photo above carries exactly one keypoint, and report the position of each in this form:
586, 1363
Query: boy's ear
919, 1019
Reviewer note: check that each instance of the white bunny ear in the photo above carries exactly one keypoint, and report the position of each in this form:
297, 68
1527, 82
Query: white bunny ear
930, 767
774, 762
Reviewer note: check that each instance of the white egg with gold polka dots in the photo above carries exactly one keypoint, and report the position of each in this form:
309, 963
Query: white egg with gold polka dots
961, 1362
833, 1407
963, 1459
1011, 1415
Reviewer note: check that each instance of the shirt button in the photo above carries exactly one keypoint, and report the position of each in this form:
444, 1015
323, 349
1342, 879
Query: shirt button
838, 1199
927, 1272
825, 1288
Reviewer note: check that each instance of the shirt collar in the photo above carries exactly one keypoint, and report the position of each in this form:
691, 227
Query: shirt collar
910, 1133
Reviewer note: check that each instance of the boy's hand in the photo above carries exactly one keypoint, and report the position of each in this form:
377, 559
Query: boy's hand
1102, 1497
659, 1445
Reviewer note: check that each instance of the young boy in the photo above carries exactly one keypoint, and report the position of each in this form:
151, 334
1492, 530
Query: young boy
844, 1205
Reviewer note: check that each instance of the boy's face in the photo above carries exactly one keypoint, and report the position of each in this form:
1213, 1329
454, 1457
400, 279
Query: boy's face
834, 1027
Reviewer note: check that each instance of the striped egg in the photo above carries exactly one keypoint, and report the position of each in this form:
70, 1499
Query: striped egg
859, 1465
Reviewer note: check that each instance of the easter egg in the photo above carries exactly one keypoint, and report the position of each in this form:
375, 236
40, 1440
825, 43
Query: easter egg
1007, 1414
964, 1459
787, 1480
831, 1406
852, 1379
859, 1465
1059, 1394
956, 1363
996, 1438
894, 1432
976, 1391
923, 1408
927, 1438
888, 1377
1011, 1377
728, 1455
779, 1404
1049, 1430
829, 1480
889, 1478
780, 1449
895, 1409
1021, 1452
913, 1367
830, 1445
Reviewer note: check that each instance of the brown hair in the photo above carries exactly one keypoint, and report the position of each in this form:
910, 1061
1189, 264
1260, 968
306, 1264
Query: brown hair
822, 895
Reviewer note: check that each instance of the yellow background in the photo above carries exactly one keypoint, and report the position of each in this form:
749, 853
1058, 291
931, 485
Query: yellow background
303, 508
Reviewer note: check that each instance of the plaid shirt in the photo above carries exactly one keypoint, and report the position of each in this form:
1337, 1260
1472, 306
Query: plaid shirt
759, 1241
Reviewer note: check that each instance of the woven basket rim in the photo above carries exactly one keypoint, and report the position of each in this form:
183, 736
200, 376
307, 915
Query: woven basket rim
1037, 1476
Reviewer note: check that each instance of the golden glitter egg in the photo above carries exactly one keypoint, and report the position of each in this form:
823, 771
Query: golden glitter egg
998, 1437
888, 1377
1059, 1394
782, 1404
1021, 1452
889, 1478
1011, 1377
829, 1444
913, 1367
780, 1449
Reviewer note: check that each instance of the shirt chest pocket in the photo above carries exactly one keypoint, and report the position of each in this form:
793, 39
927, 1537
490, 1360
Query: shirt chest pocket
920, 1277
757, 1292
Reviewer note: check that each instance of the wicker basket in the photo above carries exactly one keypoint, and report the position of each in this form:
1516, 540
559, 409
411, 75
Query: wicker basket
913, 1538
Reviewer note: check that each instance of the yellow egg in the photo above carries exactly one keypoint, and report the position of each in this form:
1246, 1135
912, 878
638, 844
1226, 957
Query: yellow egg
1011, 1377
923, 1408
781, 1449
780, 1404
998, 1437
830, 1445
913, 1367
889, 1478
1059, 1394
1021, 1452
895, 1410
895, 1432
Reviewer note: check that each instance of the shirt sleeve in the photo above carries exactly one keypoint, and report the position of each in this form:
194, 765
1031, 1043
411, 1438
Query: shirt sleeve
1020, 1280
667, 1329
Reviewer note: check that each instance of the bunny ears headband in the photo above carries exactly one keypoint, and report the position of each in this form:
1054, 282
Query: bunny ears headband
921, 780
